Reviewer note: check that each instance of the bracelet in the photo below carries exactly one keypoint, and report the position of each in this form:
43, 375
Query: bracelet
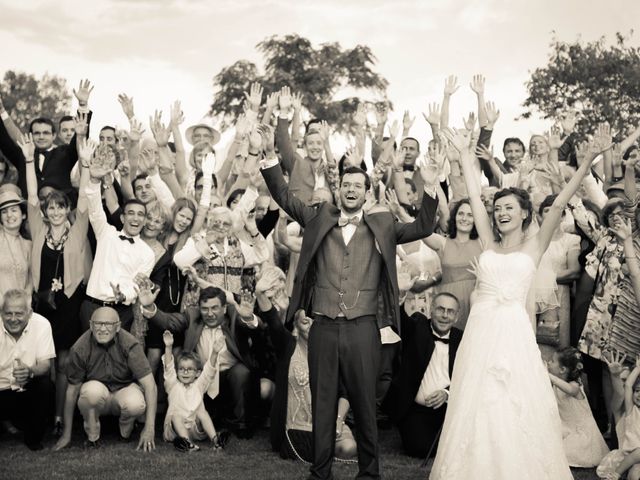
254, 236
28, 161
251, 154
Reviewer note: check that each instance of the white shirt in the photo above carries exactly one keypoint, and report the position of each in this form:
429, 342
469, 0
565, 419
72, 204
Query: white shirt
35, 343
436, 377
225, 359
349, 229
117, 261
253, 254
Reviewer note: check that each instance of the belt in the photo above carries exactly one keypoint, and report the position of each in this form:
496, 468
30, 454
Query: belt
104, 303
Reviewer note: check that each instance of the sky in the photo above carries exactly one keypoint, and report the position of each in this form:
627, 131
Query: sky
158, 51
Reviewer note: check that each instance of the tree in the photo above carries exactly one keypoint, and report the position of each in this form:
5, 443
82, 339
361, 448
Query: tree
317, 73
25, 97
601, 81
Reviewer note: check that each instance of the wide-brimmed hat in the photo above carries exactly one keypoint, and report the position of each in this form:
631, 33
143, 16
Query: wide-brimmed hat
206, 122
10, 196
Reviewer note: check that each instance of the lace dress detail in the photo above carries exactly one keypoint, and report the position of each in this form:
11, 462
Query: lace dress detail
502, 420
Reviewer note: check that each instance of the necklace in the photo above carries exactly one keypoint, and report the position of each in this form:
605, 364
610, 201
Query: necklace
177, 300
57, 244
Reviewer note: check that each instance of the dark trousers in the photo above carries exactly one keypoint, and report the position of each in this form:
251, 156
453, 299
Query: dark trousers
387, 355
88, 307
28, 410
419, 429
236, 402
348, 352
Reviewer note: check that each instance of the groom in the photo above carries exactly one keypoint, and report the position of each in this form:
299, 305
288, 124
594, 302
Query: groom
347, 278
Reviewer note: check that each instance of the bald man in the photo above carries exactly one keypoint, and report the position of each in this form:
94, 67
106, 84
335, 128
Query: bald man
109, 374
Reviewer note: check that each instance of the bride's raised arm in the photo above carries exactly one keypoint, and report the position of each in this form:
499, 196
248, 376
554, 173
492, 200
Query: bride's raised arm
588, 151
461, 140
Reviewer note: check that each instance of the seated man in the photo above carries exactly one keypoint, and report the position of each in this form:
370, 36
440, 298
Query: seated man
238, 379
26, 350
109, 372
419, 393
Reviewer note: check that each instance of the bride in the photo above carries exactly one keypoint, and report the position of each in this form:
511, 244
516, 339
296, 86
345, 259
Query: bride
502, 420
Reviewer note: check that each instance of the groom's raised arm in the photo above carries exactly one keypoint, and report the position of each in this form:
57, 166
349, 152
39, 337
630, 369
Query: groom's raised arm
424, 223
279, 190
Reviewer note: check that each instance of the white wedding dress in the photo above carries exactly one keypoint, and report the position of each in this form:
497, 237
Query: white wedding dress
502, 419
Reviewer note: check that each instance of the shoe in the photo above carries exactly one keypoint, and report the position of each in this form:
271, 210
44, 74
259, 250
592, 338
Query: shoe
58, 427
185, 445
92, 444
221, 439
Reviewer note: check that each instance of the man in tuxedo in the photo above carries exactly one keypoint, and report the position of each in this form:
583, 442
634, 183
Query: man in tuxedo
53, 163
236, 386
346, 278
420, 391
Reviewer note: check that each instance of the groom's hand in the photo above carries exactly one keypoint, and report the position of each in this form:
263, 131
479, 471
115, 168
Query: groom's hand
436, 399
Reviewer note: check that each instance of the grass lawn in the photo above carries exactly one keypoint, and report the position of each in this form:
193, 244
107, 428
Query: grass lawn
241, 459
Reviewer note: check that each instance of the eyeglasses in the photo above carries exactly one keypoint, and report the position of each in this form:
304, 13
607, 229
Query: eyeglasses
187, 369
446, 311
13, 315
107, 325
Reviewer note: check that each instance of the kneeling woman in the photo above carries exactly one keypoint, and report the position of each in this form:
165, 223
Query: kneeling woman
291, 420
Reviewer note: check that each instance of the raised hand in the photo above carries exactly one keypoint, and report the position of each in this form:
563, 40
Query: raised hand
167, 338
353, 157
117, 293
284, 100
124, 167
159, 130
459, 139
324, 130
27, 146
272, 100
407, 121
147, 294
255, 140
126, 103
243, 126
254, 96
246, 305
392, 201
554, 138
394, 130
135, 130
602, 137
382, 112
147, 162
268, 138
431, 170
615, 361
433, 114
86, 147
492, 114
616, 157
484, 153
588, 151
360, 117
81, 124
470, 121
177, 116
84, 91
622, 230
477, 84
568, 121
451, 85
296, 101
219, 344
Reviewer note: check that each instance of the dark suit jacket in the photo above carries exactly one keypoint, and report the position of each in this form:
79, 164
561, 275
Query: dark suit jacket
417, 348
236, 336
57, 165
318, 221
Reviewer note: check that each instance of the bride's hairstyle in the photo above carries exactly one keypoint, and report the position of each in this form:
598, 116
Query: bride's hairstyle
523, 200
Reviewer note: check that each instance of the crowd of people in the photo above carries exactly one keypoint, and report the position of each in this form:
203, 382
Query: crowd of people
275, 282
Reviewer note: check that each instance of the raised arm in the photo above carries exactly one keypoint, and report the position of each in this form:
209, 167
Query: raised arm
554, 216
283, 139
450, 87
477, 85
461, 141
12, 129
177, 118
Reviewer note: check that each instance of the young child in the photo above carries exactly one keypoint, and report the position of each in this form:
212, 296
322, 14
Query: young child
583, 442
186, 419
625, 404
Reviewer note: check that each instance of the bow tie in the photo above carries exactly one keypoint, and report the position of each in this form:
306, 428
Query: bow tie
440, 339
408, 168
344, 221
124, 238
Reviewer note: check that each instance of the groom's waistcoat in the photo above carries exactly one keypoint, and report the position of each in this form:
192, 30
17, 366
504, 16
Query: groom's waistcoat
348, 276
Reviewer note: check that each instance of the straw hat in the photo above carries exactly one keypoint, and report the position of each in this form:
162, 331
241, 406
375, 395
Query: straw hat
10, 196
207, 123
